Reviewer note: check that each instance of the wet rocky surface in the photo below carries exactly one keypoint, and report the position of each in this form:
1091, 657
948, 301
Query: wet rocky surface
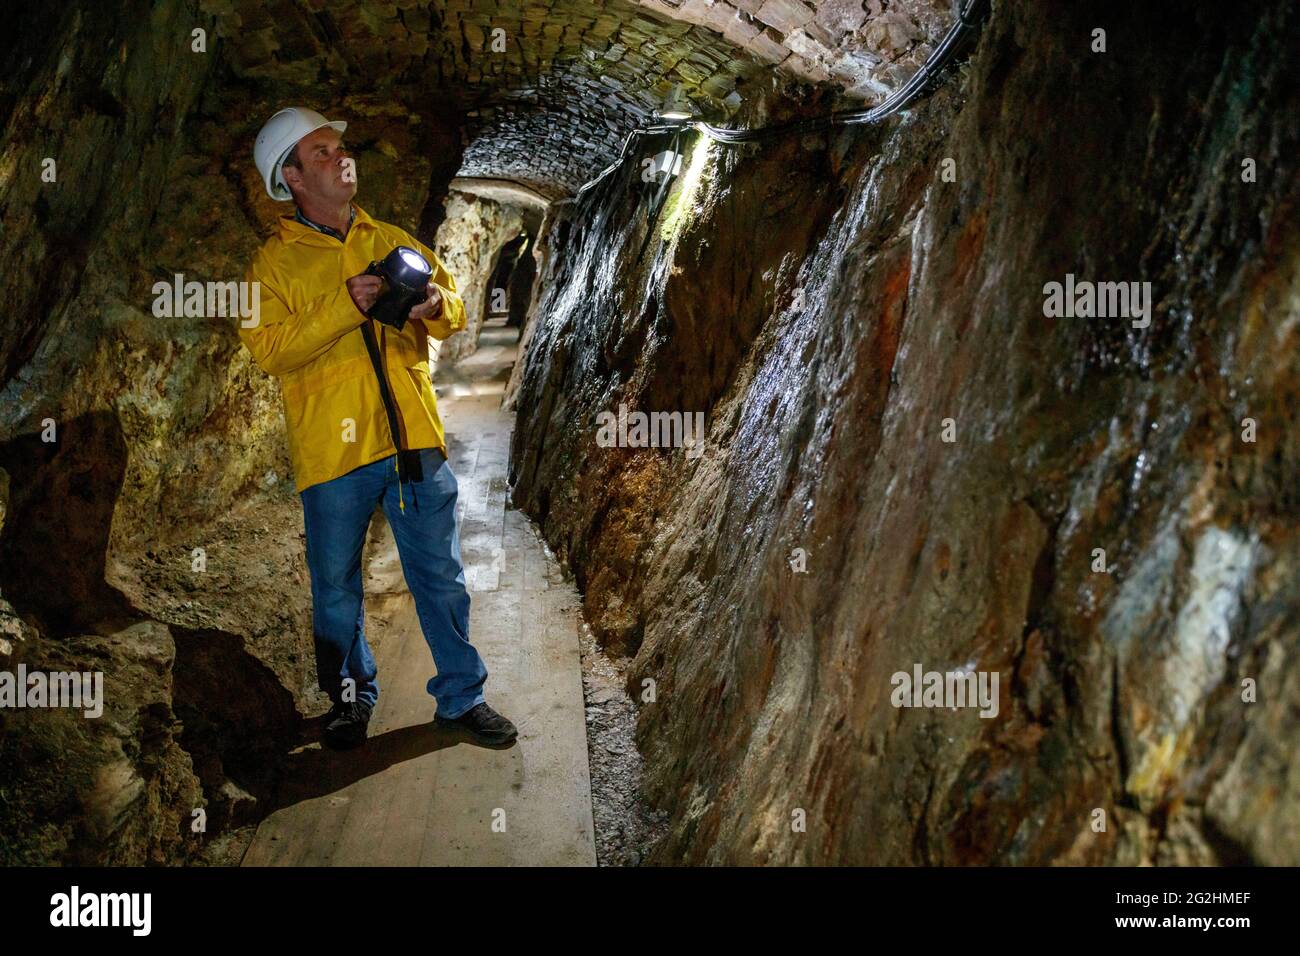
909, 461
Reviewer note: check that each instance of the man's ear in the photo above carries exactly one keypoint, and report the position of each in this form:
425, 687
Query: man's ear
292, 176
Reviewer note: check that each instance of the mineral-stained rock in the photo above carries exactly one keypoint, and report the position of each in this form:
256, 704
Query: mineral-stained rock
4, 498
967, 482
13, 631
116, 788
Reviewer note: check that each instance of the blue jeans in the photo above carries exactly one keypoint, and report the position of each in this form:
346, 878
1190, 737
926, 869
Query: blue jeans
336, 515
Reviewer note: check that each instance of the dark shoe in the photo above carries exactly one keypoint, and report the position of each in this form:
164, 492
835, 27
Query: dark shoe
482, 723
345, 725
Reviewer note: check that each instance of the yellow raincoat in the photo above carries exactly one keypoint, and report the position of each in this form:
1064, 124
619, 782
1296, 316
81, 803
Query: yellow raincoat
308, 335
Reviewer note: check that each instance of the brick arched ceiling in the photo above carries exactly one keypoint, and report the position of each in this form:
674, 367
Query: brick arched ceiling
547, 89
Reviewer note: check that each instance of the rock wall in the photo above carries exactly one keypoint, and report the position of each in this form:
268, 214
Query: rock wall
469, 242
163, 426
86, 96
542, 249
865, 325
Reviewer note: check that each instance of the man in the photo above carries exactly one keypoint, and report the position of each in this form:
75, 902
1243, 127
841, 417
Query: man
363, 425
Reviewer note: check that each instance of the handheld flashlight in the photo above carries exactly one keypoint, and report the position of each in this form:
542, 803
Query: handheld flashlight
406, 276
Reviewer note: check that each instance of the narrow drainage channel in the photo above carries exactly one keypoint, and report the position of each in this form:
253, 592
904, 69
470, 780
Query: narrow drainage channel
626, 828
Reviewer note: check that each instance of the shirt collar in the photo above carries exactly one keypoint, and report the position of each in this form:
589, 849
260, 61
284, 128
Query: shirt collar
328, 230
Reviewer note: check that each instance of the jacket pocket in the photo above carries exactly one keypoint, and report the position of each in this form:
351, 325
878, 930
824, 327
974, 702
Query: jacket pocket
419, 376
314, 380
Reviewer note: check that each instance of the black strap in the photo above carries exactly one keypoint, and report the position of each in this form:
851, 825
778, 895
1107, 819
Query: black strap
408, 460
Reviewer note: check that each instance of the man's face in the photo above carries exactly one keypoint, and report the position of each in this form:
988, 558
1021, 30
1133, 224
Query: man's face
321, 177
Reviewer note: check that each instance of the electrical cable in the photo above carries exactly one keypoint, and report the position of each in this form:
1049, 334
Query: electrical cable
967, 18
896, 101
622, 154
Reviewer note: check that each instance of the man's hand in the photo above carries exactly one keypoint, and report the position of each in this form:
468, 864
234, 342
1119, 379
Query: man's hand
364, 290
431, 308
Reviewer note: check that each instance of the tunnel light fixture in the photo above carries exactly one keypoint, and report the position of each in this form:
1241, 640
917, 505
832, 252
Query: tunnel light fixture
666, 164
681, 207
677, 108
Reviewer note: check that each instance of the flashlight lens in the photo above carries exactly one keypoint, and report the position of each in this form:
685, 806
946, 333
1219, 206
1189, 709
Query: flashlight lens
415, 260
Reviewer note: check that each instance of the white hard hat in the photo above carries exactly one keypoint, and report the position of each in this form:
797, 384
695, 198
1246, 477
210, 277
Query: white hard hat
280, 134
